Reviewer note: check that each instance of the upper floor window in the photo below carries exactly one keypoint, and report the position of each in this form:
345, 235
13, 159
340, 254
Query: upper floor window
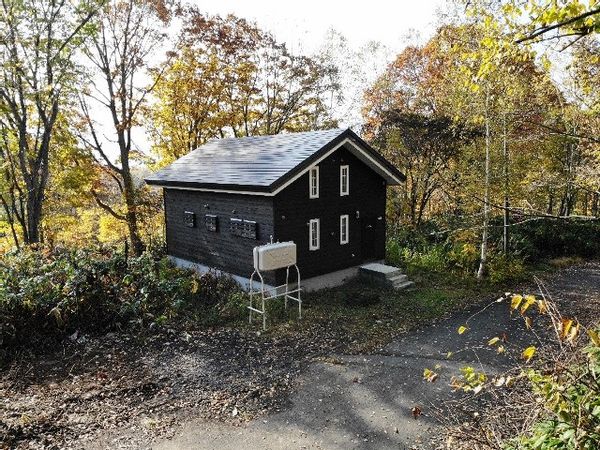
314, 232
313, 182
344, 238
344, 180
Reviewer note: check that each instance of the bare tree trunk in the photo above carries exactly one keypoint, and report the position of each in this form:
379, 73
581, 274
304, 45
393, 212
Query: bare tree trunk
36, 65
126, 39
505, 229
11, 221
486, 193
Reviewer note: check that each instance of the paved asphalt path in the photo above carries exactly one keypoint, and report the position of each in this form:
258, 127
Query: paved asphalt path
365, 401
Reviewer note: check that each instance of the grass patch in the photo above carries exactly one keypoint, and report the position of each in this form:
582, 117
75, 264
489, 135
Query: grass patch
367, 326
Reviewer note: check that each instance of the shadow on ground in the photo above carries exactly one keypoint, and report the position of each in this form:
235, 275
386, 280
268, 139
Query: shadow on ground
366, 401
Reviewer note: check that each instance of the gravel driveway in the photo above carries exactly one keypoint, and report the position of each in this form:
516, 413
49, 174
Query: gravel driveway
366, 401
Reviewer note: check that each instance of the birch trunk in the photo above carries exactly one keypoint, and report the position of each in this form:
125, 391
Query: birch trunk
486, 193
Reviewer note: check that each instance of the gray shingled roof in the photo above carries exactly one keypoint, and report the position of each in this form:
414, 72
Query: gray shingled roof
257, 162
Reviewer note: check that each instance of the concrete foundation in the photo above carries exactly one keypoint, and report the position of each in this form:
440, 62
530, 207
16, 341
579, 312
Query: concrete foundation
329, 280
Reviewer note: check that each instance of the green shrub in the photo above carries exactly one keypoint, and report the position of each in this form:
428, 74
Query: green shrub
46, 295
571, 399
553, 238
503, 269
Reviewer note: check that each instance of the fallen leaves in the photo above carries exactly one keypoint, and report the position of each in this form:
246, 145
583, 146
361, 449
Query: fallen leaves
528, 353
462, 329
416, 412
493, 341
430, 376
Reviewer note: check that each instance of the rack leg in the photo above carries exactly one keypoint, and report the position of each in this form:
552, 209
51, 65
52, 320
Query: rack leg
264, 314
250, 316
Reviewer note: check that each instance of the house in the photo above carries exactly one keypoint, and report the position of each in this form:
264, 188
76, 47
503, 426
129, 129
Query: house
324, 190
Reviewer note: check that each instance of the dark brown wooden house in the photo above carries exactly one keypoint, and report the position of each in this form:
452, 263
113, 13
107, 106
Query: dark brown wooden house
324, 190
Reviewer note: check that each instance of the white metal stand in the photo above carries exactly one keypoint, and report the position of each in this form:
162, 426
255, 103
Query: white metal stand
270, 294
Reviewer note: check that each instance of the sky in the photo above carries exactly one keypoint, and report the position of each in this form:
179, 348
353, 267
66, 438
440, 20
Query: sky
303, 24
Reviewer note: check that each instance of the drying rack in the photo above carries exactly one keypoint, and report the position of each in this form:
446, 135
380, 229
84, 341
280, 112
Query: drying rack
271, 293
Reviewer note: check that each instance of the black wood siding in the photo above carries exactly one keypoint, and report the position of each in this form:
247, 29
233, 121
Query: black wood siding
293, 209
220, 249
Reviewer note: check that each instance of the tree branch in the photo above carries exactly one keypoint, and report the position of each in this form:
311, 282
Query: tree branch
545, 29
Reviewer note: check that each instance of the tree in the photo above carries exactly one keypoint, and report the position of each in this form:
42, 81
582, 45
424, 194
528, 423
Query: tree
229, 77
550, 19
38, 40
129, 32
424, 148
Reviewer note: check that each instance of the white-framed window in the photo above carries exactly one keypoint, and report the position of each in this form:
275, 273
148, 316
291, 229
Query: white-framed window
344, 180
344, 229
313, 182
314, 234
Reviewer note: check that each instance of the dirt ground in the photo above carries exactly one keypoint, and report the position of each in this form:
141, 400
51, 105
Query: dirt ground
227, 389
367, 401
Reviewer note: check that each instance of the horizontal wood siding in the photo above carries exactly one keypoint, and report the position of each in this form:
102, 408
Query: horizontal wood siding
294, 209
220, 249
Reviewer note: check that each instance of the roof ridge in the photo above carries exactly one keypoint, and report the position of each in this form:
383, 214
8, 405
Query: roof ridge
285, 133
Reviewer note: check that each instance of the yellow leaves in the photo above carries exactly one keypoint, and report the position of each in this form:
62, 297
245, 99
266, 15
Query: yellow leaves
568, 329
523, 302
529, 300
501, 349
594, 337
493, 341
430, 376
528, 353
462, 329
565, 327
515, 301
542, 306
473, 381
195, 286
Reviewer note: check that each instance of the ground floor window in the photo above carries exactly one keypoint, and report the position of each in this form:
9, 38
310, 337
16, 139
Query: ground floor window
344, 237
314, 237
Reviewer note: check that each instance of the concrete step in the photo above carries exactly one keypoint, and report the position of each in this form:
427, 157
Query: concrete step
397, 279
404, 285
381, 271
388, 276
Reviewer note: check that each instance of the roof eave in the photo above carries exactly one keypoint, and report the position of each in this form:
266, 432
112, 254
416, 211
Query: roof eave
206, 186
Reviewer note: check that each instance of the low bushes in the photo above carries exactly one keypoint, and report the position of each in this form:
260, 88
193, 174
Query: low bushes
554, 238
457, 258
570, 398
46, 295
427, 249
